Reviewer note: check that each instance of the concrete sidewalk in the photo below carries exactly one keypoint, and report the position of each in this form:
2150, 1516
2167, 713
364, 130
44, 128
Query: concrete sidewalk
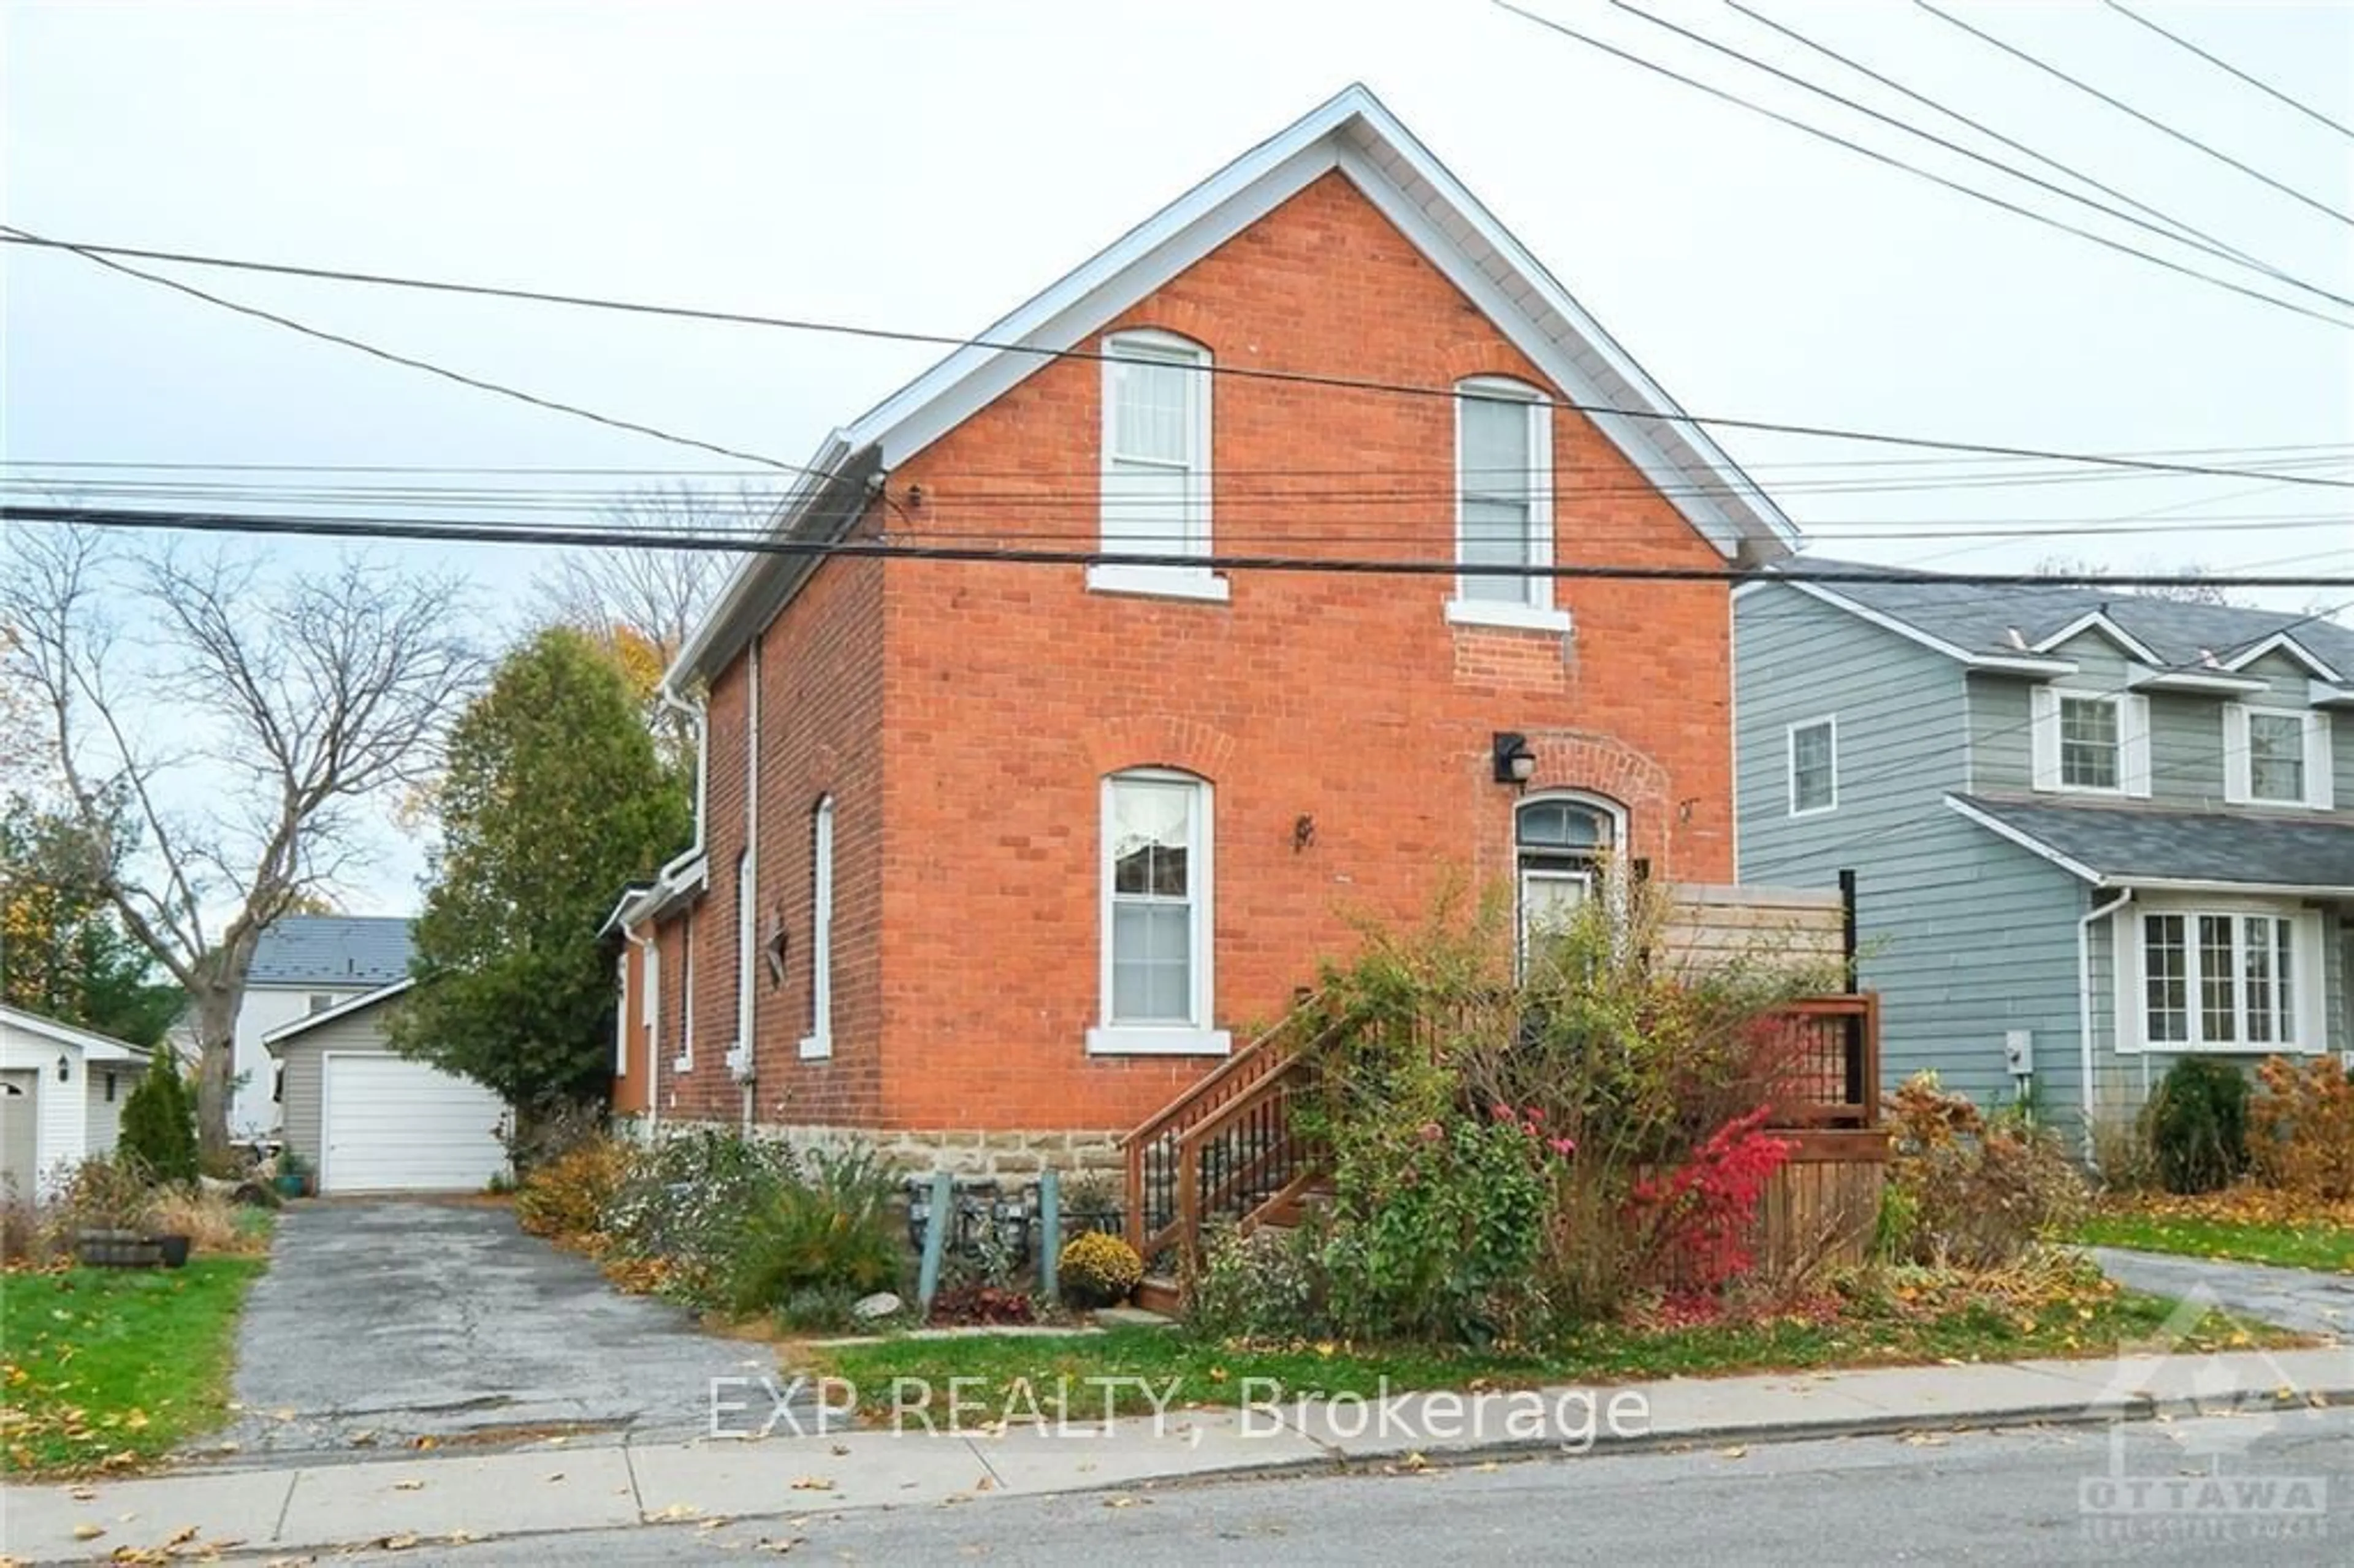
551, 1487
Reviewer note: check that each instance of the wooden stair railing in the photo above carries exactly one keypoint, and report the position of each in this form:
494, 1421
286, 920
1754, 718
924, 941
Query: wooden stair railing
1226, 1148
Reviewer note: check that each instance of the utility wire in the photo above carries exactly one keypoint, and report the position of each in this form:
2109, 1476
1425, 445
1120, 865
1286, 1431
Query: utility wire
2227, 67
2011, 141
2201, 242
1877, 156
1338, 566
12, 236
2124, 108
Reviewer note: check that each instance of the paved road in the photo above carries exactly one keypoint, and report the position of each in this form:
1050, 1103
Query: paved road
2295, 1298
2030, 1496
381, 1323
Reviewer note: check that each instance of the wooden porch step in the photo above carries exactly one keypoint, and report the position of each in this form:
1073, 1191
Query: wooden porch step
1158, 1293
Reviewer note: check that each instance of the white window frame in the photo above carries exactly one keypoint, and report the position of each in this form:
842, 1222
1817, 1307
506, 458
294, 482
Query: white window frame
2307, 1012
1197, 1038
1790, 756
684, 1061
1152, 345
1534, 611
2320, 791
818, 1043
650, 973
2045, 750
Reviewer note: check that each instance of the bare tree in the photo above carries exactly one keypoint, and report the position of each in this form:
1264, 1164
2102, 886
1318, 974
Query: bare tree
218, 732
2188, 591
652, 594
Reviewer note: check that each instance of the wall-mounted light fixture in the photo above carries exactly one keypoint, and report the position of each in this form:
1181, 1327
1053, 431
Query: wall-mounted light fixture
1515, 763
1303, 831
65, 1067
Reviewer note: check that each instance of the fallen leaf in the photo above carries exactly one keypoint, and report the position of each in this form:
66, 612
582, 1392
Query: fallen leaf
1120, 1502
88, 1532
984, 1485
841, 1450
1736, 1452
1923, 1440
811, 1484
409, 1486
677, 1511
554, 1475
181, 1537
83, 1494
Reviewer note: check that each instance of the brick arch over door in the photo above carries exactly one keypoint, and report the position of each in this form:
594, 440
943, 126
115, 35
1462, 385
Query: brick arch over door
1582, 762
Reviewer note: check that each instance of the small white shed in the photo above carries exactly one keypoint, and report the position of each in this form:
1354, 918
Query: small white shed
367, 1120
61, 1095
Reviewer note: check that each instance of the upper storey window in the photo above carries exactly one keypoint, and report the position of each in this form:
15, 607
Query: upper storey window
2277, 756
1156, 464
1503, 505
2093, 743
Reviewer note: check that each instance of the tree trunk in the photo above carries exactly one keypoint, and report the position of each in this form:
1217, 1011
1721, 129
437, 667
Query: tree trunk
216, 1070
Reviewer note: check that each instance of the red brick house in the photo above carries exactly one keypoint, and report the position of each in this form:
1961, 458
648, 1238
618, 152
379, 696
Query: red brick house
992, 859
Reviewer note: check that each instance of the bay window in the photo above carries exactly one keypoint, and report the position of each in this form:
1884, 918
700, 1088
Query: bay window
2219, 980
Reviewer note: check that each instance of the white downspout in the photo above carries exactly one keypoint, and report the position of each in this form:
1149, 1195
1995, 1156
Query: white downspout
2084, 1004
646, 946
748, 1006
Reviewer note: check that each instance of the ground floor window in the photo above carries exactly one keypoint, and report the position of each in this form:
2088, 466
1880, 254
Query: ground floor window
2218, 980
1157, 986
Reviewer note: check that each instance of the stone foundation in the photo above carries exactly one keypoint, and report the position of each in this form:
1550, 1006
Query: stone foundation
1013, 1157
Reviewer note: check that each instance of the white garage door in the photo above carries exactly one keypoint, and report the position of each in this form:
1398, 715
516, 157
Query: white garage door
393, 1125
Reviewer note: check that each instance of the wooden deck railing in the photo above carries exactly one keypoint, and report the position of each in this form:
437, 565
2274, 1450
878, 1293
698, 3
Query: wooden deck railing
1227, 1149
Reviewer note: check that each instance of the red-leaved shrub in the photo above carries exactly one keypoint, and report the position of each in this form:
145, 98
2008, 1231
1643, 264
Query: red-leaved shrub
1699, 1216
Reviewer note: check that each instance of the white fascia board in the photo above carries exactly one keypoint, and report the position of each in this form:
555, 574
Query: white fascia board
2098, 620
2265, 889
94, 1046
2323, 694
2143, 678
366, 999
2006, 664
2027, 841
2282, 643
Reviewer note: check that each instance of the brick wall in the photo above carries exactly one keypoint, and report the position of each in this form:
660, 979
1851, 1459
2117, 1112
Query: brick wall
965, 713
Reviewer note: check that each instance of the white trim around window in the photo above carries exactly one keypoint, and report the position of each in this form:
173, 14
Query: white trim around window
2247, 781
2220, 976
818, 1043
2078, 766
1155, 497
1807, 805
684, 1061
1503, 471
1157, 929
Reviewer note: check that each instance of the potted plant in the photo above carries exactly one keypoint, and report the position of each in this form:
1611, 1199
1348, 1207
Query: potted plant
1099, 1270
293, 1177
171, 1249
109, 1202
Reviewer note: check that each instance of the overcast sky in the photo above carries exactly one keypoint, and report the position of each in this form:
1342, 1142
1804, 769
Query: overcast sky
929, 166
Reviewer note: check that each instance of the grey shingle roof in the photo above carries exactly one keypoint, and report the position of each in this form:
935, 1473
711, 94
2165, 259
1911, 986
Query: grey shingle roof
1980, 620
333, 949
2127, 845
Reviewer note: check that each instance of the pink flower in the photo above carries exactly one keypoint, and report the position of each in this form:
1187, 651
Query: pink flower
1535, 1114
1500, 1111
1431, 1133
1564, 1147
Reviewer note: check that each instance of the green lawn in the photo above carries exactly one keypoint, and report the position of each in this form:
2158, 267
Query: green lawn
2322, 1246
1015, 1371
102, 1368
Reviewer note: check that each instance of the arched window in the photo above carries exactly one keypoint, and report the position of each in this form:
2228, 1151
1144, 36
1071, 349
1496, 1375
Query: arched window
1562, 843
819, 1040
1156, 464
1157, 957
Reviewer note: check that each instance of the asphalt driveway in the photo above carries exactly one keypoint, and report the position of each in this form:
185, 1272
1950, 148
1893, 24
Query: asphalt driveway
383, 1323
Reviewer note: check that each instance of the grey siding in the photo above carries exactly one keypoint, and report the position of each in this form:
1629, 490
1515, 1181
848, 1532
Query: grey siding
1964, 935
300, 1087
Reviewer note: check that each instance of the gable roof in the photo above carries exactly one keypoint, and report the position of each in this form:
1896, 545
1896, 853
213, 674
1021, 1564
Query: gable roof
93, 1046
1975, 623
344, 1009
339, 950
1355, 133
2128, 846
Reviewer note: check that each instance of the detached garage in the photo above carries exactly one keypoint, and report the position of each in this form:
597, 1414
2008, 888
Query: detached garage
367, 1120
61, 1096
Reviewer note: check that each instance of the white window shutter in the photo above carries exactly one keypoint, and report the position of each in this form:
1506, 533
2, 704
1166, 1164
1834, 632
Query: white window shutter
2133, 746
2321, 788
2043, 736
2236, 791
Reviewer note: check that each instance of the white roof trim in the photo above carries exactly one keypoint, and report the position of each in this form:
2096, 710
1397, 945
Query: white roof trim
1355, 133
2143, 678
2027, 841
2098, 620
366, 999
2322, 695
2007, 664
94, 1047
2282, 643
2189, 884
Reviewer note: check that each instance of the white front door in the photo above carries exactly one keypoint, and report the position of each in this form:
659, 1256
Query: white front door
1549, 896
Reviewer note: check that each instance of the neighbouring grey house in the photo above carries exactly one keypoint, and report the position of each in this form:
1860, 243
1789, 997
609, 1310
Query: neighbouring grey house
301, 965
2092, 831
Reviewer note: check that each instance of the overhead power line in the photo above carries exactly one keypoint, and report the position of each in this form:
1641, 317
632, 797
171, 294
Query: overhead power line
1983, 129
2122, 107
14, 236
2227, 67
2189, 237
467, 532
